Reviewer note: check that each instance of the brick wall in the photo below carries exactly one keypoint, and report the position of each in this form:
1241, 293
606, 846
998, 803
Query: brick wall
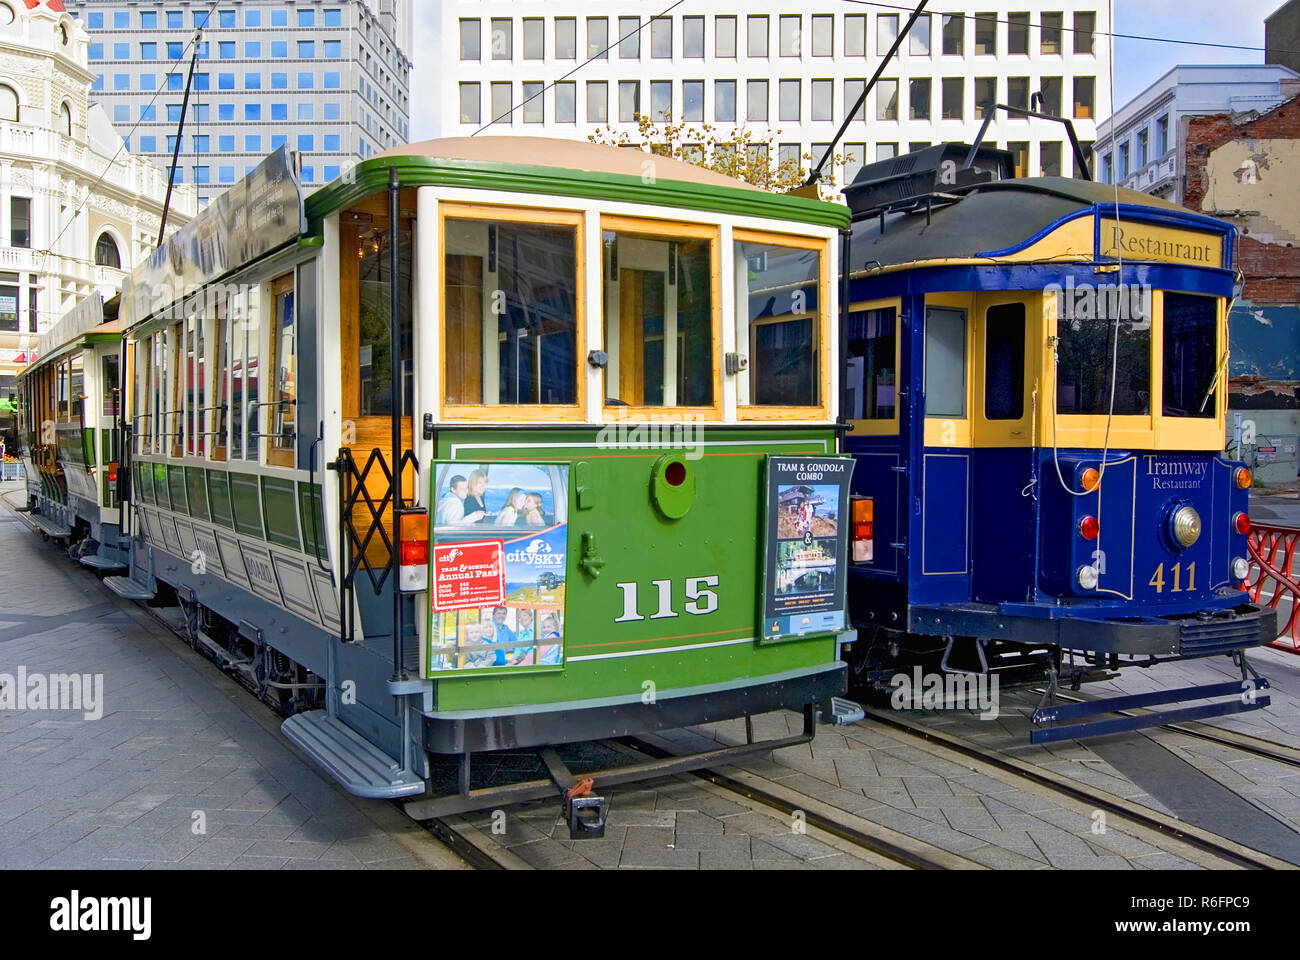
1272, 270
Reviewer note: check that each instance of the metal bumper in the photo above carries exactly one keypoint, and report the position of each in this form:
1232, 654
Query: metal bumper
1191, 635
476, 731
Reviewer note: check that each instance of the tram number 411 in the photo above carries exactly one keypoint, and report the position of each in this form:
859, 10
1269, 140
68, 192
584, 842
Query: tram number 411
699, 599
1158, 578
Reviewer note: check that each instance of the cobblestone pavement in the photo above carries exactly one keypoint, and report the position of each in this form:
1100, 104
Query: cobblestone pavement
179, 747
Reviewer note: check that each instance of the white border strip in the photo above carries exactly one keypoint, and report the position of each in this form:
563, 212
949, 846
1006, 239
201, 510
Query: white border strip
644, 653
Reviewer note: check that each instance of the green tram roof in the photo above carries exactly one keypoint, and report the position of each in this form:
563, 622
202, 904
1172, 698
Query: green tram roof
568, 168
997, 216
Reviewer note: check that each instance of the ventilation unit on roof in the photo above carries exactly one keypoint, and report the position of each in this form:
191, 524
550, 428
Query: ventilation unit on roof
912, 178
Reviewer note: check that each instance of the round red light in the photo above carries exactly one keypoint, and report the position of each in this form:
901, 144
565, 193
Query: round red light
1089, 528
1241, 523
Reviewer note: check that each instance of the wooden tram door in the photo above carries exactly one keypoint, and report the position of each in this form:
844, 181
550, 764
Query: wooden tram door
367, 374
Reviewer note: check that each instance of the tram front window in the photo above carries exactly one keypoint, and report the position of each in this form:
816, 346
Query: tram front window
1088, 357
777, 303
659, 308
511, 313
1190, 355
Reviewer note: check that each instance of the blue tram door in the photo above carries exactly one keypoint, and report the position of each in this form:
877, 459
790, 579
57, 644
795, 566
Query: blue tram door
976, 473
876, 405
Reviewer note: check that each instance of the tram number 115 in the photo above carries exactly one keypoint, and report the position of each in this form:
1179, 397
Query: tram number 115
700, 600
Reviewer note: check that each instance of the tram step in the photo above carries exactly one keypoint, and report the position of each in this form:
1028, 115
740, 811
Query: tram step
362, 768
48, 526
842, 711
128, 589
103, 564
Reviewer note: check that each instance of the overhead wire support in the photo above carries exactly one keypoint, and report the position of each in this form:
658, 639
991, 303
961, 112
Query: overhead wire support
197, 44
816, 173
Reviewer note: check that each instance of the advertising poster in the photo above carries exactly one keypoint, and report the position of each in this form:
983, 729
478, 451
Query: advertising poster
497, 567
805, 565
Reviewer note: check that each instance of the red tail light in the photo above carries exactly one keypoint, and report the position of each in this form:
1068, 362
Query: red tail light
1241, 523
112, 473
415, 553
864, 514
1089, 528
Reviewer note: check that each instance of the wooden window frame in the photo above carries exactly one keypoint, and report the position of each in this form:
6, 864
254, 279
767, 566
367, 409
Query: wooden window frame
669, 230
175, 347
541, 413
279, 456
822, 349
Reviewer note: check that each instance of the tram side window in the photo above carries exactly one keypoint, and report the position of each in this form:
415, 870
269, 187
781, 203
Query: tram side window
1190, 355
175, 419
658, 307
245, 331
777, 324
1004, 362
871, 367
945, 363
220, 383
1101, 334
374, 313
76, 387
511, 313
64, 410
196, 419
282, 403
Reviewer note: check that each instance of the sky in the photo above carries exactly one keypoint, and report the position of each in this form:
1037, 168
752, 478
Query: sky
1138, 63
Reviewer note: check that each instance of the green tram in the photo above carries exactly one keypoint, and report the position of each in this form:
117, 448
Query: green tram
70, 434
607, 379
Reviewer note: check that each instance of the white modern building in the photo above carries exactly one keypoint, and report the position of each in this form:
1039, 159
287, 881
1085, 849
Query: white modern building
76, 210
780, 66
329, 78
1143, 151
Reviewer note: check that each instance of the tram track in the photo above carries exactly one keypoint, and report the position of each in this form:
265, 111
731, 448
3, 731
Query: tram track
1161, 824
856, 831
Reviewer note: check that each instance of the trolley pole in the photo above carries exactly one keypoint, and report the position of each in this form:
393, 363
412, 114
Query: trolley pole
180, 134
399, 396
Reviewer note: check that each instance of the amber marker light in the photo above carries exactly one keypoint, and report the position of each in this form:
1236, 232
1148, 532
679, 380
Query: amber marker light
1090, 479
1242, 478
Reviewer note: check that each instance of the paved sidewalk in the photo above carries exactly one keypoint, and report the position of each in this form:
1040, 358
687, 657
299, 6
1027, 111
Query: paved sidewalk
183, 770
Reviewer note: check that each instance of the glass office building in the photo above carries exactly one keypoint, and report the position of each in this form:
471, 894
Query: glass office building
329, 79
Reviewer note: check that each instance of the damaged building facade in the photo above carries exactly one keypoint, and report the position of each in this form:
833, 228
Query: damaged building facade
1243, 168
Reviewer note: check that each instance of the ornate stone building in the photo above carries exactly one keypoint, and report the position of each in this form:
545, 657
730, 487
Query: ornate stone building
77, 211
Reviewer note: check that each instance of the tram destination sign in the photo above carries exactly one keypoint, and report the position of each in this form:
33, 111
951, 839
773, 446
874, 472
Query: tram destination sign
256, 216
805, 556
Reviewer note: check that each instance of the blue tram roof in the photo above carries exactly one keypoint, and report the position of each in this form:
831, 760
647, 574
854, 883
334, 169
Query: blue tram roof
994, 216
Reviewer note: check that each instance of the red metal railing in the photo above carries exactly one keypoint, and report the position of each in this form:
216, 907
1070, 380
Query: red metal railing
1273, 579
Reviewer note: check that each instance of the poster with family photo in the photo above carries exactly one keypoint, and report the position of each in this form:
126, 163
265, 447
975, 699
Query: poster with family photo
805, 557
498, 567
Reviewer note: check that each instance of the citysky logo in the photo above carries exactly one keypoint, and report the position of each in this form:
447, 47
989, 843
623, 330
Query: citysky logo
77, 914
55, 691
538, 553
946, 691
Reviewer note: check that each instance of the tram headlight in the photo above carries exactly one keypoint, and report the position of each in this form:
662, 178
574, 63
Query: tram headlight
1087, 577
1240, 568
1187, 525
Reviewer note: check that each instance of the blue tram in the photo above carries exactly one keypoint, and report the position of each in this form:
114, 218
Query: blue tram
1035, 388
